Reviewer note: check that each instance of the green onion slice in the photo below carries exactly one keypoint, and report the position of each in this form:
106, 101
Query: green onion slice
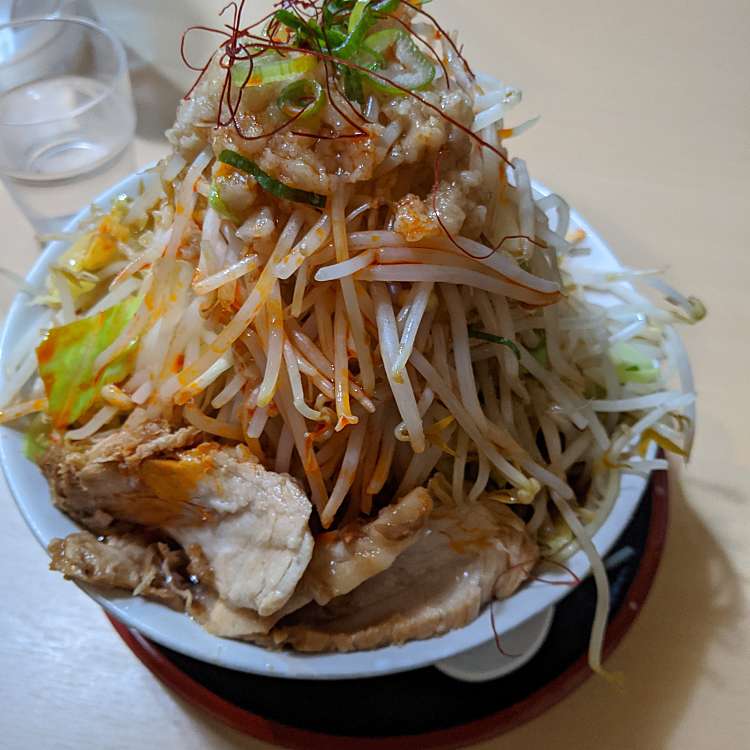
304, 96
353, 88
358, 12
217, 202
414, 71
305, 30
268, 183
271, 69
386, 6
380, 41
334, 36
334, 10
475, 333
356, 31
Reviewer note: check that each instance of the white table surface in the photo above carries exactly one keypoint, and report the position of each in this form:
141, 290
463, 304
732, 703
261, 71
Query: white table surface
646, 130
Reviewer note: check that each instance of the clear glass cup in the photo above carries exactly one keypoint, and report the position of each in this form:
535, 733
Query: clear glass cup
67, 118
14, 10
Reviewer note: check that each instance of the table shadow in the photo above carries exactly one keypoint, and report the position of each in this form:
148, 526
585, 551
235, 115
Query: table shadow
696, 604
155, 96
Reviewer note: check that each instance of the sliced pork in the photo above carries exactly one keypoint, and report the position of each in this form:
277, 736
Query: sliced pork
255, 572
465, 557
125, 561
249, 524
259, 544
344, 558
341, 561
97, 482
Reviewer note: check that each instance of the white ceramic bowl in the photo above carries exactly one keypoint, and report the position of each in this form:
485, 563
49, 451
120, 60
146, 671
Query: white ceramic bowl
178, 632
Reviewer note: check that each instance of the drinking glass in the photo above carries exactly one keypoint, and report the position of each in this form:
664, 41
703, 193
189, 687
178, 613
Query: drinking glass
15, 10
67, 118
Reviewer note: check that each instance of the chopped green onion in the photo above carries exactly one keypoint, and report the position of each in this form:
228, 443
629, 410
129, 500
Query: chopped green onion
217, 202
377, 58
358, 11
484, 336
271, 69
353, 88
334, 36
632, 365
289, 19
306, 96
386, 6
295, 23
380, 41
356, 33
66, 359
334, 9
268, 183
415, 72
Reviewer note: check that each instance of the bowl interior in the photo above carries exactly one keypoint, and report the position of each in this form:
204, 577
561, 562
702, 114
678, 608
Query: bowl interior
179, 632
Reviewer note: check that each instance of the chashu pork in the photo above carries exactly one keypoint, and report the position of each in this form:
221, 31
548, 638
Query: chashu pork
465, 557
345, 558
126, 561
260, 543
341, 561
97, 482
219, 503
412, 572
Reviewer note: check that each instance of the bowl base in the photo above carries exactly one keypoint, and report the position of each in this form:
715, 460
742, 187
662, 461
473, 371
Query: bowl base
382, 712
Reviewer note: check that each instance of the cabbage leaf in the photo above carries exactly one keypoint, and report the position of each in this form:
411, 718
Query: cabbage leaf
66, 361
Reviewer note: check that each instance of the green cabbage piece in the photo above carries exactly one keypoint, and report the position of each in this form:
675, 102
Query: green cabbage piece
66, 361
632, 365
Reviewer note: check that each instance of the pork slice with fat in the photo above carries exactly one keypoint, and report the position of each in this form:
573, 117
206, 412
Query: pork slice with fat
465, 557
125, 561
341, 561
250, 524
345, 558
96, 481
257, 540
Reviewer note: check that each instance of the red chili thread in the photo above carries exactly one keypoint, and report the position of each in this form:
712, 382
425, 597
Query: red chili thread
233, 51
497, 635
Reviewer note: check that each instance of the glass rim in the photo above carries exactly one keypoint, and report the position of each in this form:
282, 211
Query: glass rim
116, 45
